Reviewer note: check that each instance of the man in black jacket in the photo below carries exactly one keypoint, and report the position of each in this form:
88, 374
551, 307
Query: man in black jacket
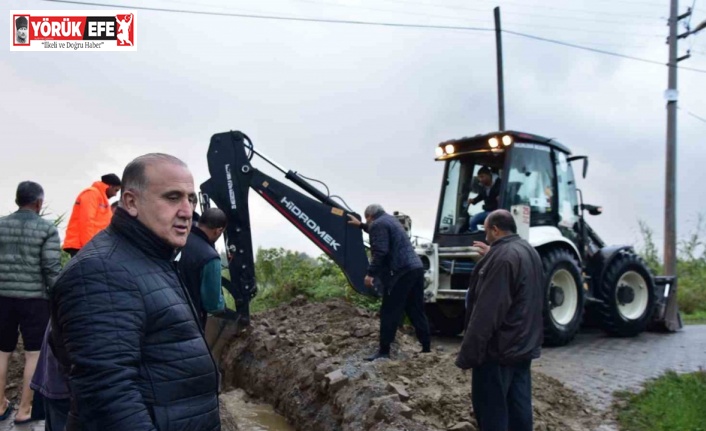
400, 272
125, 332
489, 194
503, 327
200, 264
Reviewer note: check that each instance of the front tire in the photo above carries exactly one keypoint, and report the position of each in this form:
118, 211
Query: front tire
627, 294
563, 297
446, 319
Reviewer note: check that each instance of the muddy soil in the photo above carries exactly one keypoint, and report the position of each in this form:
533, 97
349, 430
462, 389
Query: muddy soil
307, 361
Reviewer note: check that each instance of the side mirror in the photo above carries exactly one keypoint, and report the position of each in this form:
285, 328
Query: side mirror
593, 209
585, 163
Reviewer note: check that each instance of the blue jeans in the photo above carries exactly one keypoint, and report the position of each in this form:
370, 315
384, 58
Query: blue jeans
477, 220
502, 396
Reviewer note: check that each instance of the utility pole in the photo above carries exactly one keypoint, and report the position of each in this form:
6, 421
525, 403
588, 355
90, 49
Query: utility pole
499, 54
672, 322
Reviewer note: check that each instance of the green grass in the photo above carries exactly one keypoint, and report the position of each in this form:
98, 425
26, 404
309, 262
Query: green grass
672, 402
696, 318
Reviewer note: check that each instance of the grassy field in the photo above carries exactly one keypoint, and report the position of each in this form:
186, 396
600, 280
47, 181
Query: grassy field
670, 403
697, 318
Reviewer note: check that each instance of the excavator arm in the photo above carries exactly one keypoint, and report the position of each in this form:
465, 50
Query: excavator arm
320, 218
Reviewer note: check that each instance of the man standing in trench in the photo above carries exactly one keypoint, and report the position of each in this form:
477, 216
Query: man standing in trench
402, 275
503, 327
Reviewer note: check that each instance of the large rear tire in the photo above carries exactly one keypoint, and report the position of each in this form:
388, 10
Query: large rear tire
627, 296
446, 319
563, 297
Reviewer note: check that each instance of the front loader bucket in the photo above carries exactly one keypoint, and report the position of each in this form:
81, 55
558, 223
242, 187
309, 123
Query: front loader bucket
667, 317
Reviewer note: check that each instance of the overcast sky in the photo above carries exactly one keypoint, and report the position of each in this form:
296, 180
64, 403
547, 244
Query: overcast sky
361, 107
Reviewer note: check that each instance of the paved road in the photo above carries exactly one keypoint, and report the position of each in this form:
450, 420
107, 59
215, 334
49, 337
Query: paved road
596, 365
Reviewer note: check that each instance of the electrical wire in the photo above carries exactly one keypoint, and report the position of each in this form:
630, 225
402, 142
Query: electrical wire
533, 7
338, 21
378, 23
571, 17
600, 51
702, 119
485, 10
277, 17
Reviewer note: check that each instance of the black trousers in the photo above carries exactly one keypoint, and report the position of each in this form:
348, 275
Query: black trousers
502, 397
405, 296
56, 411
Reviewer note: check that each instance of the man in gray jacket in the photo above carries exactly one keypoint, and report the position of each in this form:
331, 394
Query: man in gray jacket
503, 327
29, 264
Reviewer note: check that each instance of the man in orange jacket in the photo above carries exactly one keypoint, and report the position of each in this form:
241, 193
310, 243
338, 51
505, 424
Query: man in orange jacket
91, 213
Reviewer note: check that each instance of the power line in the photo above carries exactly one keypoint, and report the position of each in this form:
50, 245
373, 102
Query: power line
277, 17
702, 119
632, 3
376, 23
295, 18
600, 51
459, 17
574, 18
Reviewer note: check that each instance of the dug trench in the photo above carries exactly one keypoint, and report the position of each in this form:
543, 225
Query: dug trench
307, 360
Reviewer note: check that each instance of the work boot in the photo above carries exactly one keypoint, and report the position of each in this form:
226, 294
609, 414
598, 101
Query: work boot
377, 355
426, 349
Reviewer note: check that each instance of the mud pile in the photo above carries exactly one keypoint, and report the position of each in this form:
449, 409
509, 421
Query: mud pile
307, 361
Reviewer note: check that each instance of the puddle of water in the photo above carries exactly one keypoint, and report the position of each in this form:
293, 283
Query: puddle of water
253, 416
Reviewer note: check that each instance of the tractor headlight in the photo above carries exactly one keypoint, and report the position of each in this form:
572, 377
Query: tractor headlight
449, 149
493, 142
439, 151
507, 140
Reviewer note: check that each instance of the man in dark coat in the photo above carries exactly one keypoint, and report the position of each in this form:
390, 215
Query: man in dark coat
400, 272
489, 194
200, 264
125, 332
503, 327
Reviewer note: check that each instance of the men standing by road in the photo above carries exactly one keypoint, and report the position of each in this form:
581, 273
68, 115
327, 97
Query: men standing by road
29, 263
200, 264
401, 273
124, 328
91, 213
503, 327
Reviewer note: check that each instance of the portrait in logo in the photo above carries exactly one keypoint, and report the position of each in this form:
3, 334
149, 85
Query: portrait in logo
21, 30
125, 29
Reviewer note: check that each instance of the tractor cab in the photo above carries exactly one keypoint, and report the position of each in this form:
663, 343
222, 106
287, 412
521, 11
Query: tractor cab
504, 170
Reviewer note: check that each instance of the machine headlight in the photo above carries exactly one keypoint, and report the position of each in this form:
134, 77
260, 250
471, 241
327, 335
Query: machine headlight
439, 151
507, 140
450, 149
493, 142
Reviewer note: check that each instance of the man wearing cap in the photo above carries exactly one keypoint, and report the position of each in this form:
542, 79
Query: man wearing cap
91, 213
21, 36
